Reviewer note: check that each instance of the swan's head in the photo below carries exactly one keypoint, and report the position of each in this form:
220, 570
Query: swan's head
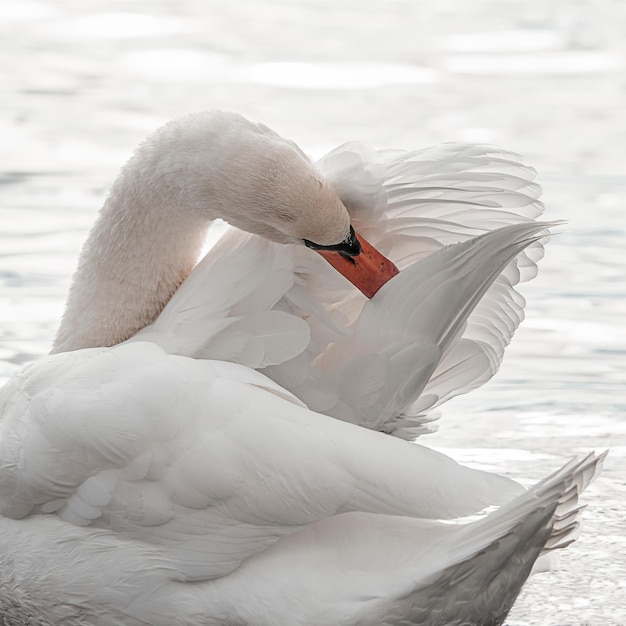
264, 184
283, 197
247, 175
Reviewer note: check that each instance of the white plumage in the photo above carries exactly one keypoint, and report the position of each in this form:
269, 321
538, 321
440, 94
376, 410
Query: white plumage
196, 473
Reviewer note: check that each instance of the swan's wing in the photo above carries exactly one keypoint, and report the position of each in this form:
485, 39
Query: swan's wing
433, 197
386, 368
207, 462
410, 204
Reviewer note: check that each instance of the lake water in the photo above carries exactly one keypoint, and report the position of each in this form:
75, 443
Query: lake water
84, 82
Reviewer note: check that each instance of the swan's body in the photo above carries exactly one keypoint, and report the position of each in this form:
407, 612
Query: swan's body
165, 481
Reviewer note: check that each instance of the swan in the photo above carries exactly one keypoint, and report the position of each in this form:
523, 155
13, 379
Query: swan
202, 446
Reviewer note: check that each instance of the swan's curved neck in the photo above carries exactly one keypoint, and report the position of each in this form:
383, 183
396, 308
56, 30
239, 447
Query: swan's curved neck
150, 231
143, 245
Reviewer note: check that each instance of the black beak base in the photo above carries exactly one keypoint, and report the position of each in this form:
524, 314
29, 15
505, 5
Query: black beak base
349, 247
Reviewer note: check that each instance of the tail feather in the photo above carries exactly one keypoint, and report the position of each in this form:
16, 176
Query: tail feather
559, 491
413, 323
491, 559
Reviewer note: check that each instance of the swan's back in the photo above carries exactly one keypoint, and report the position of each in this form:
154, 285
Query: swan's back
168, 506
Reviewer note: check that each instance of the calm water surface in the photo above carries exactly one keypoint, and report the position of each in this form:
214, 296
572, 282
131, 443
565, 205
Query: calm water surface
84, 82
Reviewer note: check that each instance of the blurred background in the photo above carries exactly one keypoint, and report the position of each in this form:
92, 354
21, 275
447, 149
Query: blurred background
83, 81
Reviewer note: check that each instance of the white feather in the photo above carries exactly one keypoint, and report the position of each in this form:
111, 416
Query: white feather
149, 483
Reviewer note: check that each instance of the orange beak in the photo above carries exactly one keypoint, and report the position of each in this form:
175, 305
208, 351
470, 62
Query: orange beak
367, 271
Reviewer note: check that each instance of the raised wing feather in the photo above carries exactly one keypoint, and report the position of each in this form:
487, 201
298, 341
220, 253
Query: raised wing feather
398, 357
437, 196
409, 205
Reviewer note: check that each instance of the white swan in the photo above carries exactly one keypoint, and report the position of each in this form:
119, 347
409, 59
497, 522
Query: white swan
148, 483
